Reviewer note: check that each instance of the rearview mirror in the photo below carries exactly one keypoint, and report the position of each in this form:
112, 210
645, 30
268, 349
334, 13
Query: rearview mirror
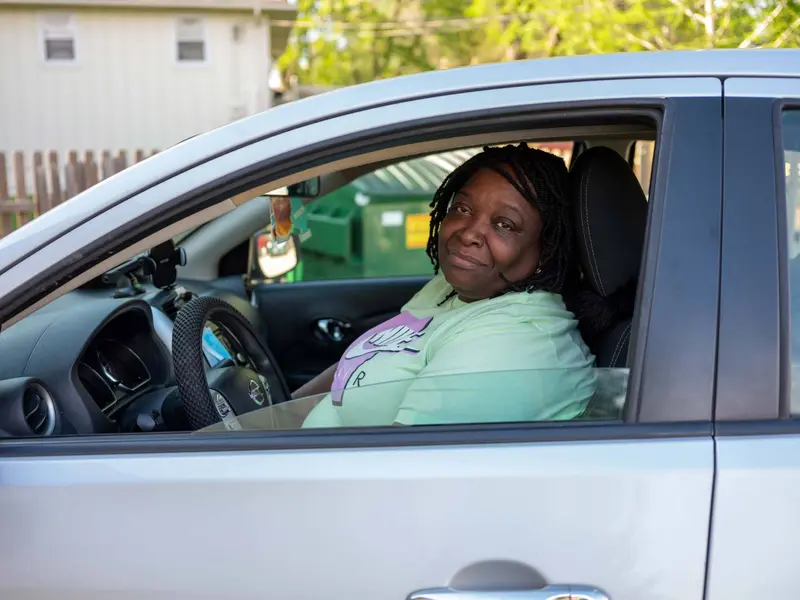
269, 258
308, 188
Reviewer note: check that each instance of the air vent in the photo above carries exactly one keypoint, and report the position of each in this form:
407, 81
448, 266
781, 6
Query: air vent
39, 409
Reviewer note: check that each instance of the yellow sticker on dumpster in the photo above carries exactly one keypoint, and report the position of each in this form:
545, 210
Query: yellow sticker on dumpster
417, 230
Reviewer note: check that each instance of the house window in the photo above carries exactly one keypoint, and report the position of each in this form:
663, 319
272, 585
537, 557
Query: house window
58, 37
190, 35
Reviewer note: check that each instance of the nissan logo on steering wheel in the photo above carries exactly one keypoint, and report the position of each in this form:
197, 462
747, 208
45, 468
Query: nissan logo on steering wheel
256, 394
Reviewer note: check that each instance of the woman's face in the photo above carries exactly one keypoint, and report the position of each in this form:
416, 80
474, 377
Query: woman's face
490, 229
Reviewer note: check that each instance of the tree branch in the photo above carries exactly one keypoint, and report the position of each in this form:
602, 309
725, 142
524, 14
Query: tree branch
708, 21
723, 25
688, 12
786, 33
590, 38
553, 35
642, 42
759, 29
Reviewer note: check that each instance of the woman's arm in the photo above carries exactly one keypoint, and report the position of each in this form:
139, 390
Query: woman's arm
321, 384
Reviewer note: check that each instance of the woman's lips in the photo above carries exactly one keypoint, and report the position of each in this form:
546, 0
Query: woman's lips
464, 261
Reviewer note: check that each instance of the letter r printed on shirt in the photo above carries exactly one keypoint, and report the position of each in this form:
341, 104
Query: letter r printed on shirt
392, 336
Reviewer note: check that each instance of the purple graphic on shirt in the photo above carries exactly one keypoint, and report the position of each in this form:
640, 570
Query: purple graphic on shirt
393, 335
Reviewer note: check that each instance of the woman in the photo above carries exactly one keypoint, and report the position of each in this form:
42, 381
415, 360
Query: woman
489, 339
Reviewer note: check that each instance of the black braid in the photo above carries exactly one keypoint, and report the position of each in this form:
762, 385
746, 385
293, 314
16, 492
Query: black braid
541, 178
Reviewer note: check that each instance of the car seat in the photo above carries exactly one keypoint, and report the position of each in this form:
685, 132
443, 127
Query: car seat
610, 213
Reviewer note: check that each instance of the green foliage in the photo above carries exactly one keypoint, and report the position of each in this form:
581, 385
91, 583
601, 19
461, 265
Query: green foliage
342, 42
350, 42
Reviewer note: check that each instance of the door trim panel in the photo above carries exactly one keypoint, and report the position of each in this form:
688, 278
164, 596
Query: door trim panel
291, 312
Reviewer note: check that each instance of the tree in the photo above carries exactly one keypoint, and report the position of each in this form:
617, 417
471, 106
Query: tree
779, 26
568, 27
340, 42
353, 41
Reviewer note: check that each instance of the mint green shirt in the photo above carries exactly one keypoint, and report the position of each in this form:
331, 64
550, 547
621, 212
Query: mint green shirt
518, 357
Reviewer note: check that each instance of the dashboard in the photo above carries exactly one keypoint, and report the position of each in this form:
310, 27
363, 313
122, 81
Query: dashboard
92, 363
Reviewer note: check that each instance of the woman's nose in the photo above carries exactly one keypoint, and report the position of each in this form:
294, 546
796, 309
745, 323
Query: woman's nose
472, 234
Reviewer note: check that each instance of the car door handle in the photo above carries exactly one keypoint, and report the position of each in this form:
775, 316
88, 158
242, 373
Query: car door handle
333, 329
550, 592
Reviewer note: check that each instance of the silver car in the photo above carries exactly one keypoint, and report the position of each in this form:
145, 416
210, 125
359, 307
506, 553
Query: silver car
144, 455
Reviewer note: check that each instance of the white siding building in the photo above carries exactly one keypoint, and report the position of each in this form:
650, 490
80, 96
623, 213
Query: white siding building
132, 74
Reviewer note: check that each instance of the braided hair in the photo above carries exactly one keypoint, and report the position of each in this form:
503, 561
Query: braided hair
541, 178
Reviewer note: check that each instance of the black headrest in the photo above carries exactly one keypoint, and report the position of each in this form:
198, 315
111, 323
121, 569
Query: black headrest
610, 211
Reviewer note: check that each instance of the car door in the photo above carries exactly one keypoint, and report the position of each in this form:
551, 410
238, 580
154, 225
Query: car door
570, 509
758, 403
326, 317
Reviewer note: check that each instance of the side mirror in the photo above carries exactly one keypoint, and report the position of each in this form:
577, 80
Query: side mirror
269, 259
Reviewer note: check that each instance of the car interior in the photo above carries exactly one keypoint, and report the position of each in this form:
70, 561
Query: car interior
122, 354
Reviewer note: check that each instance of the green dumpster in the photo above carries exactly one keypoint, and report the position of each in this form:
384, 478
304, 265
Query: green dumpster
376, 226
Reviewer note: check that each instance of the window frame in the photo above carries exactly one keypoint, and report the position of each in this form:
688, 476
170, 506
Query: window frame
685, 126
177, 41
679, 269
784, 299
754, 388
43, 37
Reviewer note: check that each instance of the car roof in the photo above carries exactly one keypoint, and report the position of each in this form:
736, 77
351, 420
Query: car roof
205, 146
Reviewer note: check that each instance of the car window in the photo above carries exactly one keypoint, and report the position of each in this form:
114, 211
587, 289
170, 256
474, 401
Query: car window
459, 399
643, 153
443, 360
377, 226
451, 358
791, 169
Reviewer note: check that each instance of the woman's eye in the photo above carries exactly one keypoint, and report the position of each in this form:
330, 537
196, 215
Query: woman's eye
505, 225
460, 208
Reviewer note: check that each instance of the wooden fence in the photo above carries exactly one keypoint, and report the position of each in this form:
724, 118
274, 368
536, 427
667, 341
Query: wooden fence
44, 183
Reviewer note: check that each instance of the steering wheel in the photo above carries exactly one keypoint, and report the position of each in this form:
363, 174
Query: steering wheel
231, 388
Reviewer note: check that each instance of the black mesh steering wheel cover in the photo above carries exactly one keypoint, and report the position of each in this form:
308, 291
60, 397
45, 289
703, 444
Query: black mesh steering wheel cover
188, 360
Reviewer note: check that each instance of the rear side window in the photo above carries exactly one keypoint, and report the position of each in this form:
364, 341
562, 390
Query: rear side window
790, 122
